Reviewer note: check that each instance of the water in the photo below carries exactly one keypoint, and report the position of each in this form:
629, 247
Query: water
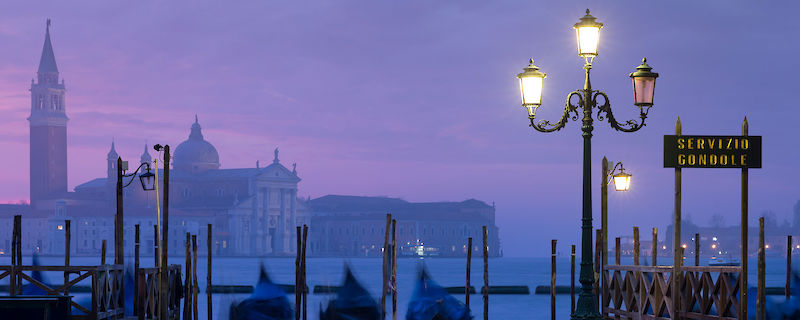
446, 271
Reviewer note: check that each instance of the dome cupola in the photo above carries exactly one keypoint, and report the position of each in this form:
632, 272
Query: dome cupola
196, 154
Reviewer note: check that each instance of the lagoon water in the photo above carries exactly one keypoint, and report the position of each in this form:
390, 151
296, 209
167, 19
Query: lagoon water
446, 271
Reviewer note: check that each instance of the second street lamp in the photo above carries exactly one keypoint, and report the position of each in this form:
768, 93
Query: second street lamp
588, 33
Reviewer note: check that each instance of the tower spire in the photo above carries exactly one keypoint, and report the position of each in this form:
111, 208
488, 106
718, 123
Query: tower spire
47, 63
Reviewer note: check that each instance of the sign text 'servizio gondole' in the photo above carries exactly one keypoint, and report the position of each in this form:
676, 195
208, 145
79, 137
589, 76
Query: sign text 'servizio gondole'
712, 151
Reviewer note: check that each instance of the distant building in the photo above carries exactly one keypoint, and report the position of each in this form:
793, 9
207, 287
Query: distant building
354, 226
260, 203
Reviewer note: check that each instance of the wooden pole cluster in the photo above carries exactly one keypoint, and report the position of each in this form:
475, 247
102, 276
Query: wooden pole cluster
385, 265
485, 274
654, 253
209, 244
761, 311
394, 269
552, 280
469, 271
572, 281
635, 246
677, 252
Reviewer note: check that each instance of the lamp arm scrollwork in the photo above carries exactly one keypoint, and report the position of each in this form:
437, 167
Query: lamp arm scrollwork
144, 164
612, 171
627, 126
547, 126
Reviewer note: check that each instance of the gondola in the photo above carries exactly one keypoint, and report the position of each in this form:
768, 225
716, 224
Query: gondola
352, 302
268, 302
431, 301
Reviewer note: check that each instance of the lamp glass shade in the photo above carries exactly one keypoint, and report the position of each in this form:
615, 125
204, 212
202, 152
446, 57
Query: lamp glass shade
643, 90
588, 39
622, 181
531, 90
644, 84
531, 81
148, 180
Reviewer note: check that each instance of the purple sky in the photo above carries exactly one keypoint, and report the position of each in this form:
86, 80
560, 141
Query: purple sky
418, 99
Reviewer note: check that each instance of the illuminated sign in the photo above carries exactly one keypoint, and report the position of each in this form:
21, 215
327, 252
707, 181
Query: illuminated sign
712, 151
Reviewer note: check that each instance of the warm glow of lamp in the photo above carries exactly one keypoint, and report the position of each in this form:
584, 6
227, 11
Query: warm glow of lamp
622, 180
713, 246
60, 227
588, 33
766, 246
683, 246
531, 81
664, 247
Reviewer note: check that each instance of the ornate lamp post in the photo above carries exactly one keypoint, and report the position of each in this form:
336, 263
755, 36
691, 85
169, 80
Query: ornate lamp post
147, 179
531, 83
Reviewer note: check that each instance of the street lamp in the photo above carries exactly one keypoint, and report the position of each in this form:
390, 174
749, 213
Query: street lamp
531, 83
622, 180
147, 179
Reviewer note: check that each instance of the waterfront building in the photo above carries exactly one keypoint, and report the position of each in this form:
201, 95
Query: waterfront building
354, 226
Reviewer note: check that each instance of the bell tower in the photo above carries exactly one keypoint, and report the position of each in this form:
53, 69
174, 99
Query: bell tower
48, 129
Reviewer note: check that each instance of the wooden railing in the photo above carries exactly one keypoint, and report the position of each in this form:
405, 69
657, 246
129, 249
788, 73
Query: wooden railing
645, 292
106, 301
147, 301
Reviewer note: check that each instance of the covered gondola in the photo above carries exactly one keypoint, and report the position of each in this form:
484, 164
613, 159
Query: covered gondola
268, 302
352, 302
431, 301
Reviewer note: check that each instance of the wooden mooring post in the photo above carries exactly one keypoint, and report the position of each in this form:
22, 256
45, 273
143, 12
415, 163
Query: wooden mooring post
67, 236
485, 274
788, 266
635, 246
552, 279
394, 269
187, 287
617, 253
209, 244
696, 249
761, 311
136, 245
303, 267
654, 248
16, 257
103, 253
744, 229
677, 250
469, 264
194, 277
297, 295
572, 281
385, 266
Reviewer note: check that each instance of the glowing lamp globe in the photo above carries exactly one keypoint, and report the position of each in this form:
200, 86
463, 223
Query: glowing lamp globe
530, 86
644, 84
588, 32
622, 181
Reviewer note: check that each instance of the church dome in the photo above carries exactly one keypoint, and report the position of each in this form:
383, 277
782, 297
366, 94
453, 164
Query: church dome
196, 154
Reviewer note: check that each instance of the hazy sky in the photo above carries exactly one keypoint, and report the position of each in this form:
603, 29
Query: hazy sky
418, 99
